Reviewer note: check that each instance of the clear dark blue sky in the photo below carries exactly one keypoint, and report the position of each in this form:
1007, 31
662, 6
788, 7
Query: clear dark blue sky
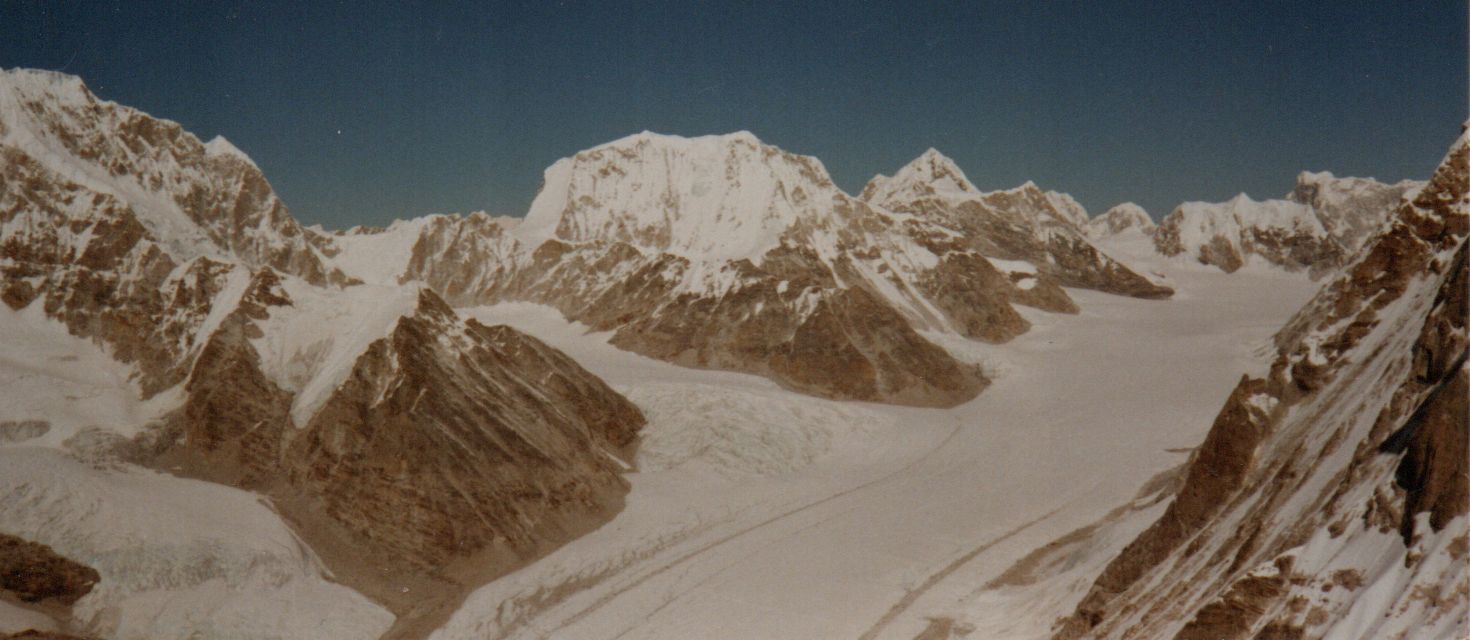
460, 108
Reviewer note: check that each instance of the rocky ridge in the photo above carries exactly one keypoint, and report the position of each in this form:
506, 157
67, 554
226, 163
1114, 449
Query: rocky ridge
724, 252
1043, 229
401, 436
1319, 227
1339, 473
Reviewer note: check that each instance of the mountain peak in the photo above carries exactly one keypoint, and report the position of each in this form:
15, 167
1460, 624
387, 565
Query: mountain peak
720, 196
1121, 218
930, 174
653, 138
54, 82
220, 147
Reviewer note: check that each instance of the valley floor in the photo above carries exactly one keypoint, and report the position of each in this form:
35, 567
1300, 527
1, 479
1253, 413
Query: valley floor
759, 513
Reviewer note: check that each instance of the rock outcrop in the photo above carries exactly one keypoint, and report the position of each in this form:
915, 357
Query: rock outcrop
1338, 474
31, 572
480, 445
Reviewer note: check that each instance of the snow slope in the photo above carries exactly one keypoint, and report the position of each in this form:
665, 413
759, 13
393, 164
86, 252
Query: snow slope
178, 558
64, 385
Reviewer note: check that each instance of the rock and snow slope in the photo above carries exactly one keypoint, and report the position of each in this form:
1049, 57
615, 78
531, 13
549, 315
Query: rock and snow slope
404, 440
95, 162
1318, 227
1353, 210
1227, 234
724, 252
1123, 219
1024, 224
1330, 497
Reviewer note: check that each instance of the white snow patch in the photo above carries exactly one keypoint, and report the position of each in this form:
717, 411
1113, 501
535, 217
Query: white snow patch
380, 258
310, 347
1013, 266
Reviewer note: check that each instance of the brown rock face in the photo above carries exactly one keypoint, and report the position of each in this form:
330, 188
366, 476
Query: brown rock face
199, 198
32, 572
521, 432
450, 454
1373, 366
122, 234
1215, 474
1233, 617
1435, 440
1436, 457
814, 325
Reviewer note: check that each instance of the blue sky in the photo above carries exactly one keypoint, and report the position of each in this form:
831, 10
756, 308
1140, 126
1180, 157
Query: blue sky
363, 112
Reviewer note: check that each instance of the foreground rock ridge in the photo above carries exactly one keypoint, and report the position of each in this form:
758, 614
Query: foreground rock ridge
1330, 497
402, 439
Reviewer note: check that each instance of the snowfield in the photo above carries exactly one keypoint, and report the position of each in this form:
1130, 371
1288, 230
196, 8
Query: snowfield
178, 558
765, 514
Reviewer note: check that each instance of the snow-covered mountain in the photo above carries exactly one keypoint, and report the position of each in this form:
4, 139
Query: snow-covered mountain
408, 441
1227, 234
1353, 210
73, 157
1040, 228
1330, 497
725, 252
1123, 219
1318, 227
